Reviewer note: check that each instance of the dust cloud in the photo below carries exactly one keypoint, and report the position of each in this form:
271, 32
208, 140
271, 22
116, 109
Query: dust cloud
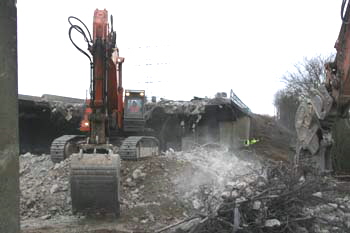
210, 173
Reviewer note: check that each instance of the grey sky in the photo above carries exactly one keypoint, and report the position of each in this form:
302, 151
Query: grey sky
195, 48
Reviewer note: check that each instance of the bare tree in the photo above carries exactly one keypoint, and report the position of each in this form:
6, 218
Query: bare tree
286, 104
308, 74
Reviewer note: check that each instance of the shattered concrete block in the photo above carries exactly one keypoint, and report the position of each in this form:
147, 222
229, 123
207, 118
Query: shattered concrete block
257, 205
54, 188
27, 155
318, 194
45, 217
196, 204
272, 223
137, 174
334, 205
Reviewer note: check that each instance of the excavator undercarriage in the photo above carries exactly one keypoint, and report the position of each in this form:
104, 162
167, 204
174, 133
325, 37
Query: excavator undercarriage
131, 148
64, 146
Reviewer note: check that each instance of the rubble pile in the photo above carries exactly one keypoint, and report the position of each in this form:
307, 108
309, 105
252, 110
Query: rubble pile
194, 107
147, 193
208, 189
58, 107
42, 119
278, 199
66, 111
155, 191
209, 175
276, 141
44, 187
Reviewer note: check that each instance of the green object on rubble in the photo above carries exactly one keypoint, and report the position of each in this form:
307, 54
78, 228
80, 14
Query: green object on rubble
249, 142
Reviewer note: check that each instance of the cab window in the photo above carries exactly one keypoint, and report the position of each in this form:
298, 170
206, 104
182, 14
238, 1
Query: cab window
134, 105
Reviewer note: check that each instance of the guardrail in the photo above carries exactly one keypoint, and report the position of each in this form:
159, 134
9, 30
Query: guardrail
238, 102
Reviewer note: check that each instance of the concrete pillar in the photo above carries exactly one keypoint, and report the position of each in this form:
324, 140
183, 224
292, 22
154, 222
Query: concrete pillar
9, 181
241, 129
226, 133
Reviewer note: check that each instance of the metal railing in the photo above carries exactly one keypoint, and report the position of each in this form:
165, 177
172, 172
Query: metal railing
237, 101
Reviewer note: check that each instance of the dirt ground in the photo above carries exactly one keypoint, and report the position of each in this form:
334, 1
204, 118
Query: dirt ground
276, 141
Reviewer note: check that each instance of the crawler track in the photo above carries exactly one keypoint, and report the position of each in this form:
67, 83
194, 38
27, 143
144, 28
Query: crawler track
63, 147
136, 147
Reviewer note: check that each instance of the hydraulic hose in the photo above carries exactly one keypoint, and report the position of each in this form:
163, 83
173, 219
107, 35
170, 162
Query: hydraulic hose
81, 31
342, 13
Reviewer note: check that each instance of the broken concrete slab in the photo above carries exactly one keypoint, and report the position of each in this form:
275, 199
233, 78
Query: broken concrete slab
177, 124
182, 124
42, 119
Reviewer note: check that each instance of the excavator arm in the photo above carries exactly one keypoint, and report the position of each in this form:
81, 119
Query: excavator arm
317, 116
338, 72
95, 170
106, 91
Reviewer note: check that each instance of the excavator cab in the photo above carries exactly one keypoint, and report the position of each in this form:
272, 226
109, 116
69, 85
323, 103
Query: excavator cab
134, 101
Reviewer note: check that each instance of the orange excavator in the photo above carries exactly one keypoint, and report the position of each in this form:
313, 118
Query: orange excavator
322, 120
113, 128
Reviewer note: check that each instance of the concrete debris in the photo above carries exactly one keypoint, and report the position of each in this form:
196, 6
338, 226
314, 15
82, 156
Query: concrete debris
54, 116
27, 155
317, 194
283, 203
170, 151
42, 119
196, 204
211, 176
54, 188
272, 223
177, 184
334, 205
44, 189
257, 205
193, 107
138, 174
45, 217
157, 192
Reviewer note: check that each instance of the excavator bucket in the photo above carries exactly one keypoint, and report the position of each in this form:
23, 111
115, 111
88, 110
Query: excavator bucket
95, 183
